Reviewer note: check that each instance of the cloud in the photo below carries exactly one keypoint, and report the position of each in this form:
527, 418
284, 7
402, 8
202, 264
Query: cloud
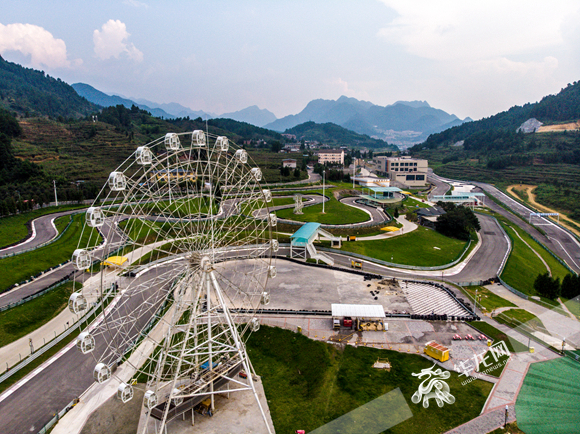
34, 41
111, 41
458, 29
338, 85
136, 4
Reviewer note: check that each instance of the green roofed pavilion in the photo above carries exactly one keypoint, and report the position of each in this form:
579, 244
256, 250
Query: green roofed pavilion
306, 234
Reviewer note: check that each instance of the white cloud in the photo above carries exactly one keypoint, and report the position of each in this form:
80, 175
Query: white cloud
111, 41
34, 41
136, 4
459, 29
340, 86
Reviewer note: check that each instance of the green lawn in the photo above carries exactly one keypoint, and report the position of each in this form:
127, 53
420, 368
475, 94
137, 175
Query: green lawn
516, 317
498, 363
311, 383
13, 228
14, 269
487, 299
497, 335
414, 248
412, 202
276, 201
336, 213
24, 319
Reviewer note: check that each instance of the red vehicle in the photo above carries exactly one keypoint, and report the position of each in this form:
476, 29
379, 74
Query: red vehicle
456, 337
470, 337
482, 338
347, 322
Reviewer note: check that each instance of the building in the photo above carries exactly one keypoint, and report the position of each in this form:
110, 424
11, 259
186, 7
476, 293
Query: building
428, 216
331, 156
289, 163
408, 171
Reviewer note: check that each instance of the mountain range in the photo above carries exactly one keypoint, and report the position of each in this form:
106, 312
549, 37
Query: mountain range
252, 115
402, 123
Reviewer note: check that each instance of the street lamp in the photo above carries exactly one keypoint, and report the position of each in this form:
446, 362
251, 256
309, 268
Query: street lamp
55, 197
323, 189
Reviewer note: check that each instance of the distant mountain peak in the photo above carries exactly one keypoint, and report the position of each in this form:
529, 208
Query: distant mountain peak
414, 104
252, 115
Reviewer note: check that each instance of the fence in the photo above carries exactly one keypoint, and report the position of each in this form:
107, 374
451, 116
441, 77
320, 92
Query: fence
391, 264
37, 294
10, 371
46, 428
45, 243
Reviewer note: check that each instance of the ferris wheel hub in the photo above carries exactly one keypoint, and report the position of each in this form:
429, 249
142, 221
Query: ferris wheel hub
205, 264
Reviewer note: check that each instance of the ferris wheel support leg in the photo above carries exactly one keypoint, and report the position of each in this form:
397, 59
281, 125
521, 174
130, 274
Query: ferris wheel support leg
241, 349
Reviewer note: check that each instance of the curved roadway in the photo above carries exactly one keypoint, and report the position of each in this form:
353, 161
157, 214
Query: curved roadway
561, 242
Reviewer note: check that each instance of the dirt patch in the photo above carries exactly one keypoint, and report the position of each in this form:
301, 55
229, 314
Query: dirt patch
114, 417
529, 191
571, 126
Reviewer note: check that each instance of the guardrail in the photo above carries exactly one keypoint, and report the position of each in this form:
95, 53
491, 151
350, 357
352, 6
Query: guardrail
11, 371
37, 294
391, 264
46, 243
46, 428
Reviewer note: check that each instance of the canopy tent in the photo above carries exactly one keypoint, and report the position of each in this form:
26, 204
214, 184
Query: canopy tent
115, 261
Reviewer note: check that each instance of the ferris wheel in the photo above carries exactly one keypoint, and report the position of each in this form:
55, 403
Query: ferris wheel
181, 269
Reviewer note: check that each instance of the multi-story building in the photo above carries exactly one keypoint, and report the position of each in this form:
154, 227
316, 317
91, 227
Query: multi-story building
331, 156
409, 171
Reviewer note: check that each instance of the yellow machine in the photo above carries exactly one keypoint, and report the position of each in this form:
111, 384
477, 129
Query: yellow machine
437, 351
356, 264
370, 325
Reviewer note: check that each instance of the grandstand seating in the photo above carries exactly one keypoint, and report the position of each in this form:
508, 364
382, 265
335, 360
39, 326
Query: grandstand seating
426, 299
549, 400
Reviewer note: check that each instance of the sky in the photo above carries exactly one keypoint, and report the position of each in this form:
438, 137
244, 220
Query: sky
468, 58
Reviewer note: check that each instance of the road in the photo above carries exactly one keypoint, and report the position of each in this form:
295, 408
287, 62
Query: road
111, 234
43, 230
65, 379
559, 241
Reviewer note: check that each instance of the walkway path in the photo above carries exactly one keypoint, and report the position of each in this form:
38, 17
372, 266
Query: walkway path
558, 325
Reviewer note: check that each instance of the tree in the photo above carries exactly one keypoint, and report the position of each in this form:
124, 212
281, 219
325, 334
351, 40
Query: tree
570, 286
458, 221
276, 146
396, 213
297, 173
547, 286
412, 217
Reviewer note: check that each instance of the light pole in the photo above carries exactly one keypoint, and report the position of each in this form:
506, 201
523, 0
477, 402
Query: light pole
353, 171
55, 198
476, 298
323, 189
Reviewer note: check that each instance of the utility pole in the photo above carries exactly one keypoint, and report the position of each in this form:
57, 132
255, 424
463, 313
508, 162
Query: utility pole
55, 198
323, 189
353, 171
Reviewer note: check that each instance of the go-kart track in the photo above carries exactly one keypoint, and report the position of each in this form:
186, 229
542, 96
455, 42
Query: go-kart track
297, 287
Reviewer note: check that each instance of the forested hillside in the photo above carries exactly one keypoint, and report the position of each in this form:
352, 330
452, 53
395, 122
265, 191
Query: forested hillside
335, 135
29, 92
491, 150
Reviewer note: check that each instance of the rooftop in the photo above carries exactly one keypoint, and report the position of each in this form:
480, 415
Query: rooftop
303, 235
358, 310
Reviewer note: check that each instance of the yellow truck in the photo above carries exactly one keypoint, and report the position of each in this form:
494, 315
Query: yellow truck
437, 351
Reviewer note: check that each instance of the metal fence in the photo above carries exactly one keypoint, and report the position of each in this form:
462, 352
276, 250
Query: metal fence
391, 264
37, 294
11, 371
45, 243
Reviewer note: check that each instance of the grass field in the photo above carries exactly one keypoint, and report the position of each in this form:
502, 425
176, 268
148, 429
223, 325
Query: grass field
13, 228
516, 317
310, 383
523, 265
497, 335
15, 269
336, 213
487, 299
23, 319
491, 362
414, 248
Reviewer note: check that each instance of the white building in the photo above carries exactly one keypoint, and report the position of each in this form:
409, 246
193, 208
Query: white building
409, 171
331, 156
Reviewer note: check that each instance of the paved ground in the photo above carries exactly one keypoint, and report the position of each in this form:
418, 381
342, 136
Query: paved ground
558, 325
